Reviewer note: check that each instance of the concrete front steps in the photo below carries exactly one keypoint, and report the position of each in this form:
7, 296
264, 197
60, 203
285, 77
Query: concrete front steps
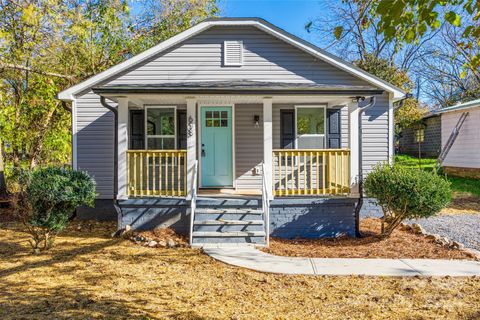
228, 221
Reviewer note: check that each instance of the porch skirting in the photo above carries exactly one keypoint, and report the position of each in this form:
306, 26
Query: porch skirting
312, 218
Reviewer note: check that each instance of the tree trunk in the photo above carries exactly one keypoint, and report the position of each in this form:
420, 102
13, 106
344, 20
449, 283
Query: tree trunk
3, 184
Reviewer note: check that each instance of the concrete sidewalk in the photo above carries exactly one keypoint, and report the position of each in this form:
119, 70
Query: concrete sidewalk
251, 258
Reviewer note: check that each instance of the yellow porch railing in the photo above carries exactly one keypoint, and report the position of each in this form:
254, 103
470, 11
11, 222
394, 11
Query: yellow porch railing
311, 172
156, 173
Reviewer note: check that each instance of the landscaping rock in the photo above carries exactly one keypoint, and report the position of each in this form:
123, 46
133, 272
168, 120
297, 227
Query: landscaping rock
162, 243
443, 241
170, 243
456, 245
152, 243
138, 238
418, 229
431, 237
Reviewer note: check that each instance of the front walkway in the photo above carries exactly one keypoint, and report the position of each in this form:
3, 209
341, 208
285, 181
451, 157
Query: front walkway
251, 258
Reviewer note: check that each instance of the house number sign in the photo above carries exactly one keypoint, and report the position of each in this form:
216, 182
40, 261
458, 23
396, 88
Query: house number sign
190, 126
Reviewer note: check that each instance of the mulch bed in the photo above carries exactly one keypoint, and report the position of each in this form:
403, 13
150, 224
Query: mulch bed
401, 244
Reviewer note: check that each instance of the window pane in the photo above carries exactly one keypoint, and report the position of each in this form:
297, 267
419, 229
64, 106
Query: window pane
224, 114
161, 143
310, 121
161, 121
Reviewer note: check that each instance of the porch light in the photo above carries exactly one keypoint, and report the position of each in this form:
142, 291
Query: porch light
256, 120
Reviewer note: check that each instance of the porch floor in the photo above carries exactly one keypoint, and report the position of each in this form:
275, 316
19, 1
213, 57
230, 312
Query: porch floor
228, 193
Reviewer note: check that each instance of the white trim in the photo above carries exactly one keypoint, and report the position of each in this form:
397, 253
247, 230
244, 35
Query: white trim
199, 141
267, 106
123, 116
161, 135
324, 135
391, 130
191, 145
74, 135
353, 123
225, 61
69, 93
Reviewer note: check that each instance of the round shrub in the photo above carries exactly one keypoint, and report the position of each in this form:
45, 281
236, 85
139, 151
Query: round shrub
406, 193
52, 194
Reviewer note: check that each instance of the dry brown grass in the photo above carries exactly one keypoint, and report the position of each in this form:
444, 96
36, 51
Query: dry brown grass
401, 244
89, 275
462, 204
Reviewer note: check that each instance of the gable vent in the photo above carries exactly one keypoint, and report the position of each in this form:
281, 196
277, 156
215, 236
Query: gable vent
233, 53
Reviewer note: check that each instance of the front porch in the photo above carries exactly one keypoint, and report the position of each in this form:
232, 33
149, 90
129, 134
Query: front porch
238, 168
313, 172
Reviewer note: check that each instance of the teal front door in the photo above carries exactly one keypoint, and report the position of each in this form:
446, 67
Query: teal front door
216, 147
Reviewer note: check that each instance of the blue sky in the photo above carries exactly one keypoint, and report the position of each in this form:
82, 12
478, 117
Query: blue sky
290, 15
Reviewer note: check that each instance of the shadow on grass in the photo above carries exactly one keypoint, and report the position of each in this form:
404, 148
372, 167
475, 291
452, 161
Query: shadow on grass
65, 303
59, 257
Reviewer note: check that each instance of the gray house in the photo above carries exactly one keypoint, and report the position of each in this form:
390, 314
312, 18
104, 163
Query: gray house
424, 139
231, 131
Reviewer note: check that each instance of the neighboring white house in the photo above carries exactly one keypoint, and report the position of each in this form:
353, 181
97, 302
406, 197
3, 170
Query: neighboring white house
463, 159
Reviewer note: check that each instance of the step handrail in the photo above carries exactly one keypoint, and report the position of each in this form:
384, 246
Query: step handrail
193, 201
265, 205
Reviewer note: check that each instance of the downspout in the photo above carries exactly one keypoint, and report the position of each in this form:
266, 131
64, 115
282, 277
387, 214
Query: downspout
359, 205
115, 147
360, 156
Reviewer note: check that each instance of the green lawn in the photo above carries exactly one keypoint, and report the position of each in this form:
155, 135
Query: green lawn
460, 186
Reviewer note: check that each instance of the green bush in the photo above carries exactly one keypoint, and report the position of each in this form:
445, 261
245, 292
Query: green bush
405, 194
48, 199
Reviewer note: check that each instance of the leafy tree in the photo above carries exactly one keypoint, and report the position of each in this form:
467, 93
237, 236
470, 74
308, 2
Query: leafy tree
47, 200
48, 45
411, 112
405, 194
408, 20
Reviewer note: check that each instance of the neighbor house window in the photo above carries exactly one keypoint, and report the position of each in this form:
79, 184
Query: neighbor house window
310, 127
160, 123
419, 135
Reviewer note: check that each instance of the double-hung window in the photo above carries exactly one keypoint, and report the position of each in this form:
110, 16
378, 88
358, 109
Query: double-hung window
160, 126
310, 127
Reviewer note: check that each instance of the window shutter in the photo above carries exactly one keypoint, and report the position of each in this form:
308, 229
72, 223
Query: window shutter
287, 129
137, 129
333, 128
182, 129
233, 53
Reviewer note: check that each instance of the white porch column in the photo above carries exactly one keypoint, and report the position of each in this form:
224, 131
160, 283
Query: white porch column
191, 143
122, 147
353, 145
268, 142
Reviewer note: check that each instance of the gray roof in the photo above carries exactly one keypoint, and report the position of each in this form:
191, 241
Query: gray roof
461, 106
239, 86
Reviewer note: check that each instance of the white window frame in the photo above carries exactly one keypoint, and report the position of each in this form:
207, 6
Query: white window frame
174, 136
232, 64
324, 106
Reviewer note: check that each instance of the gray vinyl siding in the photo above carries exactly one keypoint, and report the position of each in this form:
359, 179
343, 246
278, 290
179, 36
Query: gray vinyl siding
95, 142
375, 133
200, 58
248, 146
266, 58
